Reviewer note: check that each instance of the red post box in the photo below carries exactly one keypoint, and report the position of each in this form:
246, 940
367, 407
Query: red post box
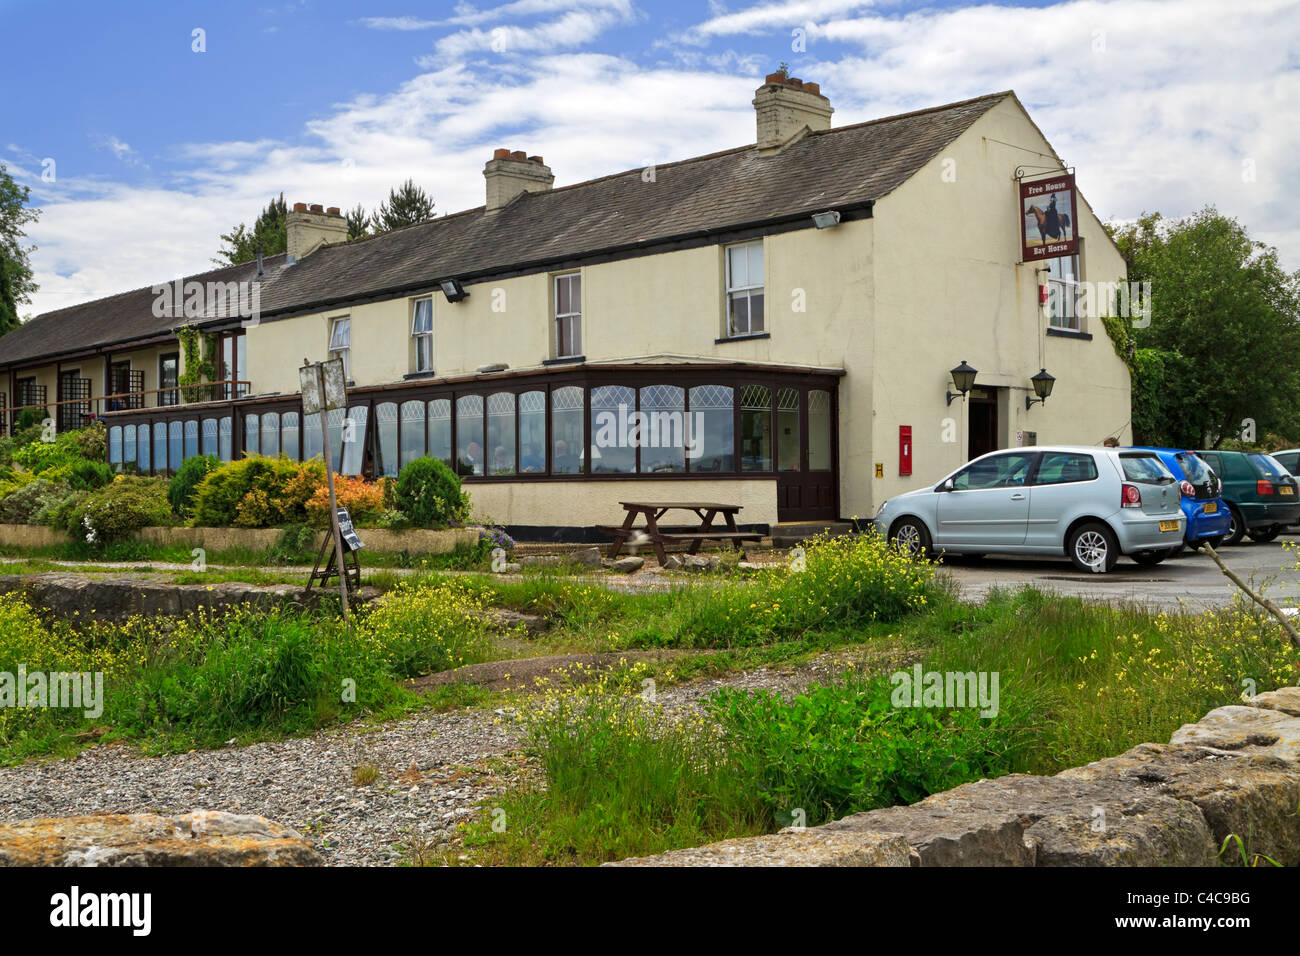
904, 449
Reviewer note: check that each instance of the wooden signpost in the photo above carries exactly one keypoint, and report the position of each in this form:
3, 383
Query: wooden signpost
350, 578
324, 388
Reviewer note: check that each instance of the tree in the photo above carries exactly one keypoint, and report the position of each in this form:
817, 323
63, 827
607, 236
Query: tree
269, 231
16, 285
406, 205
1223, 335
358, 222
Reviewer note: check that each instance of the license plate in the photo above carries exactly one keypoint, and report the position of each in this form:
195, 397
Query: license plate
1286, 490
1212, 508
1169, 526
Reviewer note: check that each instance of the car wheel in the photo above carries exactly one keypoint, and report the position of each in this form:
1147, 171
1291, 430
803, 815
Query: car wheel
1236, 530
1151, 558
1092, 547
1266, 535
910, 536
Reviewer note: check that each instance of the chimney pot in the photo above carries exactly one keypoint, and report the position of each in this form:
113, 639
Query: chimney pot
536, 159
501, 154
317, 208
333, 210
300, 207
774, 78
518, 154
813, 88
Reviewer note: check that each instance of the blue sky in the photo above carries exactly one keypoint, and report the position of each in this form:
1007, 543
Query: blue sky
157, 149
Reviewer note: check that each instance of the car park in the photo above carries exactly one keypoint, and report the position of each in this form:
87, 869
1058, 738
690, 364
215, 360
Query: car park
1260, 493
1208, 517
1090, 504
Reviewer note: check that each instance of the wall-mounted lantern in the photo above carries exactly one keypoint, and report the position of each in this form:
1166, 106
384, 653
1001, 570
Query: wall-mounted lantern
1043, 383
963, 378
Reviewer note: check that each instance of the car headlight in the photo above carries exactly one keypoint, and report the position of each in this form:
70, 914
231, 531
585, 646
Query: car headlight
882, 507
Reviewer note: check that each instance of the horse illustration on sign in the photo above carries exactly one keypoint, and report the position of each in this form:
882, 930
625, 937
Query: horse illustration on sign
1048, 209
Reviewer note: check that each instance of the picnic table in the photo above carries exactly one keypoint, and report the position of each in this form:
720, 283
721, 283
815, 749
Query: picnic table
706, 511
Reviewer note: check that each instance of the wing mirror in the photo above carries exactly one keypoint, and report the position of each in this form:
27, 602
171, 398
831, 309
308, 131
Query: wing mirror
947, 485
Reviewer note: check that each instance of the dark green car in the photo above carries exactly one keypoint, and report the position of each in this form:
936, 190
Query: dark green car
1261, 494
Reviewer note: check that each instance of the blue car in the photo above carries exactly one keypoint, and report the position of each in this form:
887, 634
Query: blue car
1208, 516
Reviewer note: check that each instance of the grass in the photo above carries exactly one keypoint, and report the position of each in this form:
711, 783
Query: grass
1078, 682
461, 559
614, 775
175, 684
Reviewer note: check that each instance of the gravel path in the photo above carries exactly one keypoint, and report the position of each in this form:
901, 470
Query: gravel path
305, 783
433, 771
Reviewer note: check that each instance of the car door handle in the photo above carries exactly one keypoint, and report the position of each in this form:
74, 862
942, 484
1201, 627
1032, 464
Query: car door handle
1017, 497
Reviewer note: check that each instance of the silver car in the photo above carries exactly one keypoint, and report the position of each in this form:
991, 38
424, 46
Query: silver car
1092, 504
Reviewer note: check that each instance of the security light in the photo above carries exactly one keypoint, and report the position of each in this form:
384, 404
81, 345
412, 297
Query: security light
963, 377
1043, 383
453, 290
824, 220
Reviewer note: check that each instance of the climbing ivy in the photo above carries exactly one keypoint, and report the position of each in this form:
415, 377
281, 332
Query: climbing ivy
198, 350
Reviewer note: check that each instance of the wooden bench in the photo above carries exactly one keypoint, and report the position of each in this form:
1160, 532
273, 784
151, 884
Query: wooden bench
652, 511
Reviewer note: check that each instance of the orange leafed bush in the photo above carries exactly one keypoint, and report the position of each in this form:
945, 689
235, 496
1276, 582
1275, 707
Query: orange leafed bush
363, 499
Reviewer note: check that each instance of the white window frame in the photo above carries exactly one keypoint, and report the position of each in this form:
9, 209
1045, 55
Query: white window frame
571, 319
1063, 293
736, 289
341, 351
421, 339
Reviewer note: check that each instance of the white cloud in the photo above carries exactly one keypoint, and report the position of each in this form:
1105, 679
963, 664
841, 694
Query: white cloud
769, 16
588, 114
1160, 119
575, 28
399, 23
121, 150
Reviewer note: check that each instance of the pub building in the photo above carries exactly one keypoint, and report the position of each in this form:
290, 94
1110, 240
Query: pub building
804, 326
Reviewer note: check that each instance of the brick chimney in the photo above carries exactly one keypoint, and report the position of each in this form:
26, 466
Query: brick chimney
784, 106
510, 173
310, 227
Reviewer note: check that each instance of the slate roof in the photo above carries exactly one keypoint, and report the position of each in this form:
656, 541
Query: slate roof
121, 318
832, 168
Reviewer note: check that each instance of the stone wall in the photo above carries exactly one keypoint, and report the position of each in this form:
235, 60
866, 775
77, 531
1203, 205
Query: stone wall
1236, 771
116, 599
414, 541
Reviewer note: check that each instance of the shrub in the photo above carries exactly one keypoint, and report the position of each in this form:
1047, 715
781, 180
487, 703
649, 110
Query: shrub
30, 418
363, 499
843, 582
420, 628
42, 456
256, 492
63, 513
89, 475
845, 748
184, 484
428, 492
118, 509
22, 505
92, 442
